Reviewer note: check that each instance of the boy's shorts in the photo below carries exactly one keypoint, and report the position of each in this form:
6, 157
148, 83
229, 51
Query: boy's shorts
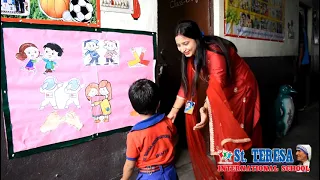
167, 173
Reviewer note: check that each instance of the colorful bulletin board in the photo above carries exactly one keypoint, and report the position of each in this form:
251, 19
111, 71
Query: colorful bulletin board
60, 12
62, 87
255, 19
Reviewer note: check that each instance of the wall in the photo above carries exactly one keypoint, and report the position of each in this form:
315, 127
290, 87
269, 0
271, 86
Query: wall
273, 63
100, 159
260, 48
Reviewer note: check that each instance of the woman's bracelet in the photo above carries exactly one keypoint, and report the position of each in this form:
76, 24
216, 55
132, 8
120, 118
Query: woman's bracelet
175, 108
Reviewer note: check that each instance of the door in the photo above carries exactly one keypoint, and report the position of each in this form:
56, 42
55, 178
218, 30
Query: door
170, 12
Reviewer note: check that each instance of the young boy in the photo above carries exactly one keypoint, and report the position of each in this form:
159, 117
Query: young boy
150, 144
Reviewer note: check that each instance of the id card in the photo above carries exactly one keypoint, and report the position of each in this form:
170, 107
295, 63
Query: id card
189, 107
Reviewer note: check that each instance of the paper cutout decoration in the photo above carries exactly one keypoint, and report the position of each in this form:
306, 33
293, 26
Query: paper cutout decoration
30, 113
29, 55
54, 120
138, 60
101, 52
99, 96
60, 95
72, 119
48, 88
52, 53
72, 89
111, 52
51, 123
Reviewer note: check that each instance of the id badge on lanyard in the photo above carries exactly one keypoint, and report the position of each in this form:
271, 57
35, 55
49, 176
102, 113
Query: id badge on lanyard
189, 107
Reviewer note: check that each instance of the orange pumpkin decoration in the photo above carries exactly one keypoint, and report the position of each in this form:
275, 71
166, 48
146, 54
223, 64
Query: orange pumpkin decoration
54, 8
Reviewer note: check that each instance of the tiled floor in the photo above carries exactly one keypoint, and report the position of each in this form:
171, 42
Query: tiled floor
304, 131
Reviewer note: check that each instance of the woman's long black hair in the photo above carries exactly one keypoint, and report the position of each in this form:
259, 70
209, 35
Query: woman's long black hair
191, 30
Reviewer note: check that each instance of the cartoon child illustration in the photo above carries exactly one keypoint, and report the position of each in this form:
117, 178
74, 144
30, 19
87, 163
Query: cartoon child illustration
105, 90
111, 47
73, 89
48, 88
28, 52
92, 94
52, 52
91, 46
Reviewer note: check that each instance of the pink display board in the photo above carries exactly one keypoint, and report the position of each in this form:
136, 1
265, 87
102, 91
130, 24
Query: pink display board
66, 85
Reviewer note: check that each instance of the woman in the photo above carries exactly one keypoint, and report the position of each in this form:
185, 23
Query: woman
232, 98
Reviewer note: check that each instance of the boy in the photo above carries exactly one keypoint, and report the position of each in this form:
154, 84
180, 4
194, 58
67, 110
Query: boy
52, 52
150, 144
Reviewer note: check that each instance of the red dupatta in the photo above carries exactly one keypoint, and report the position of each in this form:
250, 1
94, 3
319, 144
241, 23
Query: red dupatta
225, 131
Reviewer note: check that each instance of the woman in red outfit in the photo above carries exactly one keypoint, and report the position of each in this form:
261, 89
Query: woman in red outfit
231, 104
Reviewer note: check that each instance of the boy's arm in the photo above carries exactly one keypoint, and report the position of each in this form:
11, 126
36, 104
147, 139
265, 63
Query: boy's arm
132, 154
174, 133
128, 169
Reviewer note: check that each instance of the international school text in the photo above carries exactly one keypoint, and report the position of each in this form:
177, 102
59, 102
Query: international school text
236, 162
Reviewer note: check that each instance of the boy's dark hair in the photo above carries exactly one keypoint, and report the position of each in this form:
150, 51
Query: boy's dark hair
144, 96
54, 47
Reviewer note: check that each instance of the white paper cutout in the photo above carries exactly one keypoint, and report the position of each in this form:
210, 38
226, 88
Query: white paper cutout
51, 123
54, 120
60, 95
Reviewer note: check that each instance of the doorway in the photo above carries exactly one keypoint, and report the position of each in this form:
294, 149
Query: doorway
304, 60
170, 12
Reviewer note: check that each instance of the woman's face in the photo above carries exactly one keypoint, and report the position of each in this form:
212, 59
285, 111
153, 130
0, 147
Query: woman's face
186, 46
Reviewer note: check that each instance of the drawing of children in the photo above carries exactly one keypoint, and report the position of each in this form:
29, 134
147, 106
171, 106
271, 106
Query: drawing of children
91, 46
111, 47
48, 88
106, 91
29, 52
92, 94
72, 89
52, 52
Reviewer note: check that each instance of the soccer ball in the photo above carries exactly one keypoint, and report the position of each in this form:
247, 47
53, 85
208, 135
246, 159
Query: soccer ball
81, 10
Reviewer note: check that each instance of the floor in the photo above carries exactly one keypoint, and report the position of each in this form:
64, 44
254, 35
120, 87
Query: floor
304, 131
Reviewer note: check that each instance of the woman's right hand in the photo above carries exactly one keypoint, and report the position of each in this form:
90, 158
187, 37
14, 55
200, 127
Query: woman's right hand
173, 114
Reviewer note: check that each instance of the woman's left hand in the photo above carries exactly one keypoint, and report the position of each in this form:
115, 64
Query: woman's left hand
204, 119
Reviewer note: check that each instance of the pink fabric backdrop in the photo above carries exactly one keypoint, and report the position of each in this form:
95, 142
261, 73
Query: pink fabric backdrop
24, 87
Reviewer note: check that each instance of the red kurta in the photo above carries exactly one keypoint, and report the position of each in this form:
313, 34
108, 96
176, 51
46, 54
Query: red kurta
234, 108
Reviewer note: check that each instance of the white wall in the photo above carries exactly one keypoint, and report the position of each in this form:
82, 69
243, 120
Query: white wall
147, 22
260, 48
